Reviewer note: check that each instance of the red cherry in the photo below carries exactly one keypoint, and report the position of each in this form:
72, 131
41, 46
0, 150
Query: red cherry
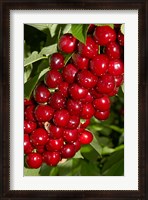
85, 123
67, 43
57, 101
85, 137
86, 79
87, 111
29, 126
61, 118
74, 107
74, 122
55, 144
80, 62
29, 113
68, 151
55, 131
63, 88
77, 92
33, 160
52, 158
44, 113
70, 135
41, 94
120, 37
53, 78
69, 73
88, 99
102, 104
39, 137
56, 61
91, 28
77, 145
28, 102
88, 50
27, 145
116, 67
118, 80
99, 64
113, 92
104, 35
40, 149
102, 115
113, 50
94, 93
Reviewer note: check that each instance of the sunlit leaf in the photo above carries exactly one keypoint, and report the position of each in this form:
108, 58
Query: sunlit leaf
31, 172
95, 144
79, 31
122, 29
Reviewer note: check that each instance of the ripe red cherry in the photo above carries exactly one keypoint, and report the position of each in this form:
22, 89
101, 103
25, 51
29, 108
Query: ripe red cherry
118, 80
40, 149
61, 118
113, 92
41, 94
91, 28
102, 104
53, 78
77, 92
44, 113
67, 43
87, 111
120, 37
104, 35
113, 50
56, 61
74, 107
94, 93
29, 113
29, 126
39, 137
57, 101
70, 135
55, 144
102, 115
33, 160
99, 64
80, 62
106, 84
69, 73
116, 67
73, 122
77, 145
55, 131
68, 151
27, 145
86, 79
85, 123
88, 50
52, 158
63, 88
88, 98
28, 102
85, 137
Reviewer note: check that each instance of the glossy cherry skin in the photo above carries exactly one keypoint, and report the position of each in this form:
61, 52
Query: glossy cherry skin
113, 50
68, 151
91, 28
56, 61
29, 126
104, 34
61, 118
85, 123
55, 144
52, 158
67, 43
44, 113
86, 79
73, 122
113, 92
77, 145
69, 73
102, 115
27, 145
80, 62
87, 111
70, 135
39, 137
55, 132
53, 78
40, 149
95, 94
118, 80
102, 104
88, 99
85, 137
41, 94
106, 84
28, 102
120, 37
77, 92
63, 88
29, 113
57, 101
74, 107
33, 160
99, 64
116, 67
88, 50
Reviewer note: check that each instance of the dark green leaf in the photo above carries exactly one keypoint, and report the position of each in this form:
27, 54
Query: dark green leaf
95, 144
79, 31
89, 169
78, 155
65, 168
89, 152
45, 170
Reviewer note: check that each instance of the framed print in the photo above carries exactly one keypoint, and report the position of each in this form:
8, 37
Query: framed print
74, 100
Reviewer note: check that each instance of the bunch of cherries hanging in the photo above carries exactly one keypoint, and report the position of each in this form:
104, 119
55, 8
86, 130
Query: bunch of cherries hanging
81, 89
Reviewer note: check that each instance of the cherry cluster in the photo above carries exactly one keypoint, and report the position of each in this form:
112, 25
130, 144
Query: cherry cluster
62, 105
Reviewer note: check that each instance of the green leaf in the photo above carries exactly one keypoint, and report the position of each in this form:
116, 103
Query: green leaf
45, 170
67, 58
114, 165
27, 72
41, 27
116, 128
95, 144
48, 50
79, 31
111, 25
122, 87
78, 155
89, 153
65, 168
31, 172
122, 29
89, 169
